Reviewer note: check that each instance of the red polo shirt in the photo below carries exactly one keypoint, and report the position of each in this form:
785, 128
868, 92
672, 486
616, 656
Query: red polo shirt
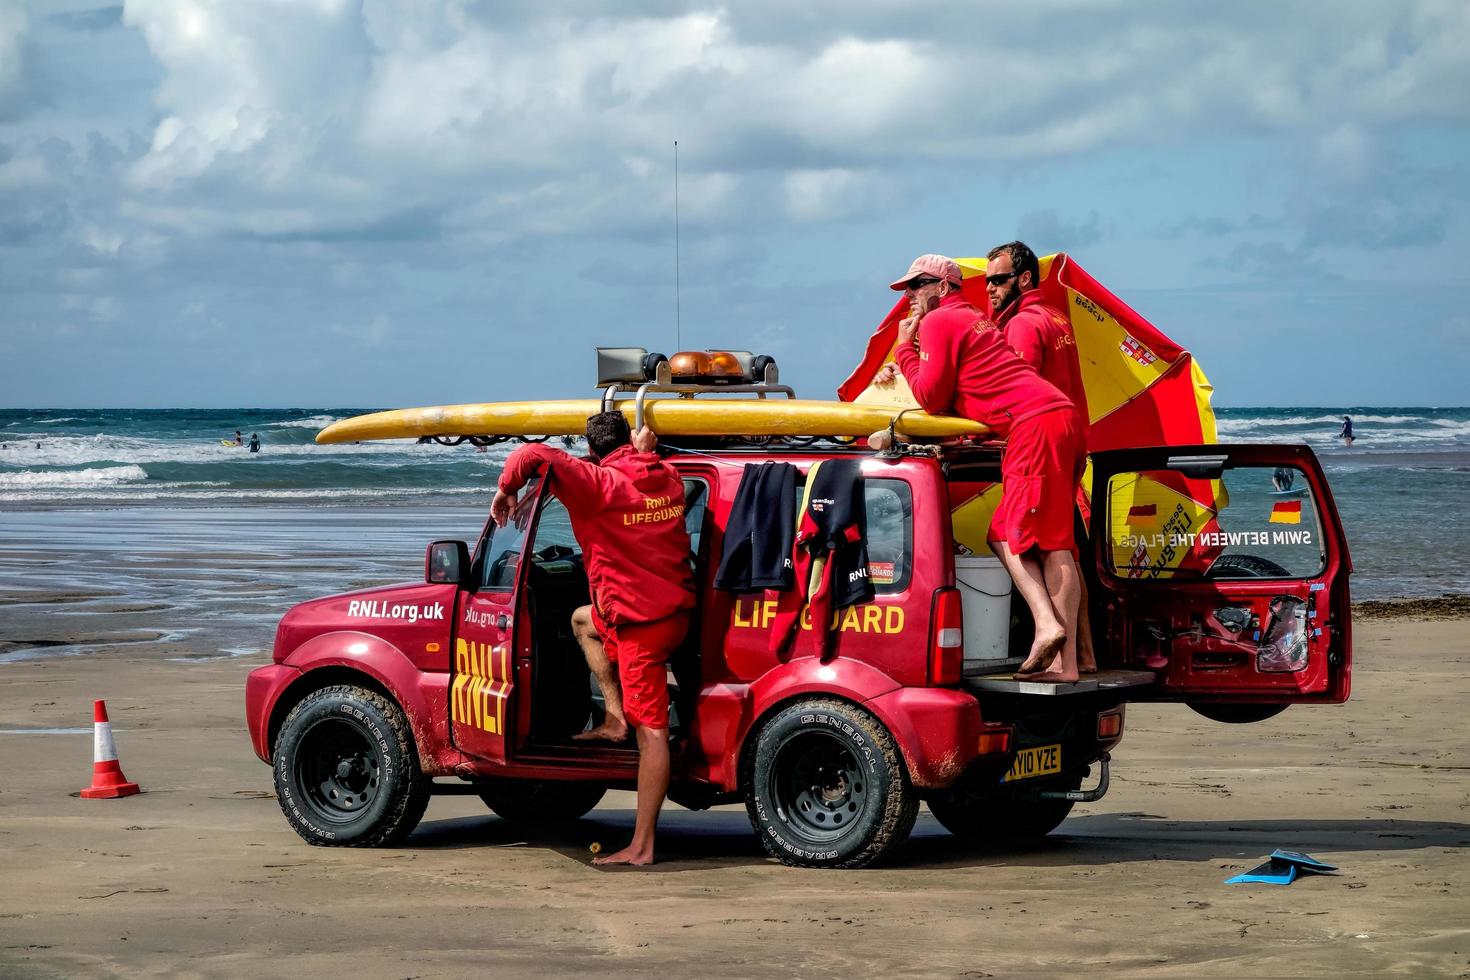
962, 365
1043, 337
627, 512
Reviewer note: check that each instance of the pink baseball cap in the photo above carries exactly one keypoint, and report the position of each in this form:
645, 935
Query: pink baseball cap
940, 267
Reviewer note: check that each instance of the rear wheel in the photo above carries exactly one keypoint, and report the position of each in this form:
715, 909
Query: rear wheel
1238, 714
827, 787
347, 771
539, 800
999, 817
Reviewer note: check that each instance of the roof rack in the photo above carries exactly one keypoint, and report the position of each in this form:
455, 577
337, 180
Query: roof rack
627, 370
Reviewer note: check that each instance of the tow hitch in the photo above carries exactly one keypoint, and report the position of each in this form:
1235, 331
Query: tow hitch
1083, 795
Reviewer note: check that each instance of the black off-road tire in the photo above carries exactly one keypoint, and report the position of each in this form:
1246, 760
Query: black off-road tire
1237, 714
347, 771
540, 801
1245, 566
827, 787
999, 818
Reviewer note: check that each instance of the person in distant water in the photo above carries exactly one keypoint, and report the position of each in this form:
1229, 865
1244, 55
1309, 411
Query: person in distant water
1042, 335
959, 362
626, 505
255, 442
1346, 435
239, 440
1282, 478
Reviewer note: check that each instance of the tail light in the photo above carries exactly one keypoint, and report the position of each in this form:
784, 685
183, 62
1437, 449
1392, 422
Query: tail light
946, 638
995, 741
1109, 725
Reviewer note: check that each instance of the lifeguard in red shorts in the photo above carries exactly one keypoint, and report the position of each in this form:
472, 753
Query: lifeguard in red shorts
627, 510
959, 363
1042, 336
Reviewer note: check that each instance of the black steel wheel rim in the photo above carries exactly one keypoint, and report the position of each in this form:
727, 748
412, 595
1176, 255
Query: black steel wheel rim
818, 788
338, 770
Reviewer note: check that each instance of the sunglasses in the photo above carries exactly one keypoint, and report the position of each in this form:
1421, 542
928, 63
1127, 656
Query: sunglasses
914, 284
1000, 278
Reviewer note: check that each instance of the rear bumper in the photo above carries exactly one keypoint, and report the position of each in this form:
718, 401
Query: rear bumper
263, 687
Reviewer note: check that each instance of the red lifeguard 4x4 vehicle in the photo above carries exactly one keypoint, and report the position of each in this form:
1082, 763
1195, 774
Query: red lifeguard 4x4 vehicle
1218, 577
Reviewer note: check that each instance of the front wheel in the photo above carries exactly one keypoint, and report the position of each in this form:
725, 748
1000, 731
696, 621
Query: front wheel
827, 787
347, 771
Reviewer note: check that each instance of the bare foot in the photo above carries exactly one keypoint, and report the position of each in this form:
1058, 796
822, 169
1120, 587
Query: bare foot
605, 732
1086, 665
627, 855
1044, 650
1053, 677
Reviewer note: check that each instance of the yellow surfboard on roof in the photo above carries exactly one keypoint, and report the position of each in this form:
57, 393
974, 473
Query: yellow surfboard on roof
710, 417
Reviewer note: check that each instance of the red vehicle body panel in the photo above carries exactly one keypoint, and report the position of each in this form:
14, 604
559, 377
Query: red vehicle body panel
404, 640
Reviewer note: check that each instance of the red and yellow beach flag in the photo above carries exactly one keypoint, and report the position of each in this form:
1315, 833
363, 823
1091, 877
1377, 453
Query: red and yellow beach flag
1286, 512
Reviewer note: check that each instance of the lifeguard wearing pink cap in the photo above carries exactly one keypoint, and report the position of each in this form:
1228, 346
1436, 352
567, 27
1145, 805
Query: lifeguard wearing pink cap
940, 267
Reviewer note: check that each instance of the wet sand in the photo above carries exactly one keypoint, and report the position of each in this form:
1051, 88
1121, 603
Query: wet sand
200, 876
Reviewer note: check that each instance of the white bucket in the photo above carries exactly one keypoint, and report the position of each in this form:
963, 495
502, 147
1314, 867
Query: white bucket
985, 596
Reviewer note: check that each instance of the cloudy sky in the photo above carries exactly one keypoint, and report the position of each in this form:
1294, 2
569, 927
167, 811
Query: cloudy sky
364, 203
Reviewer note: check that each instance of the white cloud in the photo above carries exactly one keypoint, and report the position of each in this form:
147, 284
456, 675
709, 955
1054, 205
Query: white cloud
13, 22
319, 116
817, 195
21, 172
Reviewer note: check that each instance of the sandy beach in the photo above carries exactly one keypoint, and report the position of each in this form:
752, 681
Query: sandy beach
200, 876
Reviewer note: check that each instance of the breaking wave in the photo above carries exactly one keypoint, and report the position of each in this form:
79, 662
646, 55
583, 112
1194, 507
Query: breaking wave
108, 476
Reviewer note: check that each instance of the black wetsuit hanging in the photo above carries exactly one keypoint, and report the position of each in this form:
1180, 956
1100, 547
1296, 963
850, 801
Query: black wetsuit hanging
831, 554
759, 533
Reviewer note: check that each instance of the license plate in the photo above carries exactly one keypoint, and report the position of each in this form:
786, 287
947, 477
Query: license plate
1030, 763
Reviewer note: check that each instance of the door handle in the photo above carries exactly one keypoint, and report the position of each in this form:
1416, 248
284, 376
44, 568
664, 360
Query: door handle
502, 621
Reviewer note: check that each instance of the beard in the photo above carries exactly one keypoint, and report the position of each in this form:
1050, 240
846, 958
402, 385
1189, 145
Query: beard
1008, 295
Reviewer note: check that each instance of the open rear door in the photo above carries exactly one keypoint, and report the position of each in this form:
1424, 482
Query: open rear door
1225, 569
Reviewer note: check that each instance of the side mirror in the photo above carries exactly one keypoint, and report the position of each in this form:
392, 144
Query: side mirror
446, 563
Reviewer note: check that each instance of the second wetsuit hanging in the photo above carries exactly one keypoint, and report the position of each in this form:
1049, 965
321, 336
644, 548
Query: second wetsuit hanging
831, 554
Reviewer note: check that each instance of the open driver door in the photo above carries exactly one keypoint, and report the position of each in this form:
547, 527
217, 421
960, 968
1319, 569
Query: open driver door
492, 636
1225, 570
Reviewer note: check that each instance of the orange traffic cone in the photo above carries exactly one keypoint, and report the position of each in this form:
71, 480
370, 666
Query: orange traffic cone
108, 781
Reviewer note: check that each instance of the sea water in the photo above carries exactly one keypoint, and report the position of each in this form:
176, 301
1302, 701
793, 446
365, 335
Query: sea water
148, 507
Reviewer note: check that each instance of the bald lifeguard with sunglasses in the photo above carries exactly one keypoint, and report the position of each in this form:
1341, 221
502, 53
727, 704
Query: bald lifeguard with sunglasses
959, 363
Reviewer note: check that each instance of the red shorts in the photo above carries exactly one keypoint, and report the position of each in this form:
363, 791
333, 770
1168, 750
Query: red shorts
1043, 461
640, 651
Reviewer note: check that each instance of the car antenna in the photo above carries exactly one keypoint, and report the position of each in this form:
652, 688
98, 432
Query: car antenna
678, 318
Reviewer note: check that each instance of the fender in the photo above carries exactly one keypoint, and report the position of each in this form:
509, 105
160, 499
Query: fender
848, 680
937, 730
423, 695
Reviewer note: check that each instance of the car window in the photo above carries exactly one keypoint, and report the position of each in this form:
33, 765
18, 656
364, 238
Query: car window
1253, 522
502, 559
696, 502
890, 517
554, 529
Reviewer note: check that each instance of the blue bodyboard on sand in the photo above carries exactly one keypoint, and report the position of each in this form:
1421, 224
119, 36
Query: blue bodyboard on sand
1282, 868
